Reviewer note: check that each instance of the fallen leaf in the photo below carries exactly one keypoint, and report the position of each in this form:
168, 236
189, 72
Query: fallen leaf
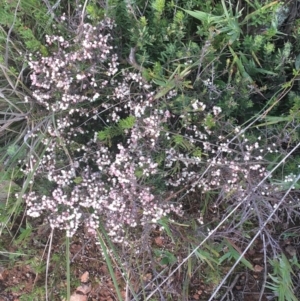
291, 250
159, 241
257, 259
85, 277
147, 277
77, 297
84, 289
258, 268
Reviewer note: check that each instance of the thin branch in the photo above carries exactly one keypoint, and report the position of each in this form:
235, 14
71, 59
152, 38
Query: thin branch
48, 263
51, 9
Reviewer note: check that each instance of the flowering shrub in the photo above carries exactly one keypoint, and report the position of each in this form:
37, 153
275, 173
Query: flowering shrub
76, 84
113, 152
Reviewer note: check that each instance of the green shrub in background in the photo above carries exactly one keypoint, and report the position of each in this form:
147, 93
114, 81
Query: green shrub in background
24, 24
234, 52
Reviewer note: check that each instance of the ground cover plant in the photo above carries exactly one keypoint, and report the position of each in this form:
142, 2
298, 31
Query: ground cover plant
154, 145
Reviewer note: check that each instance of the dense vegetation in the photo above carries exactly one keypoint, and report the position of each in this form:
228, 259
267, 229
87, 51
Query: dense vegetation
167, 132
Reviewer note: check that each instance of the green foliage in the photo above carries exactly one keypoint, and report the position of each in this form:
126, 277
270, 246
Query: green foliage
24, 236
158, 7
181, 143
13, 153
94, 11
227, 24
118, 129
281, 282
161, 46
165, 257
165, 223
158, 32
207, 257
232, 254
38, 293
28, 20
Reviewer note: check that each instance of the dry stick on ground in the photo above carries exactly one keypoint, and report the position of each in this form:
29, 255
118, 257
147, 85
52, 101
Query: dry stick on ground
173, 195
81, 250
230, 288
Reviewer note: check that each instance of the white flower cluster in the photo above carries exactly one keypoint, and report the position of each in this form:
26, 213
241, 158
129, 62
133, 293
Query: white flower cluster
59, 80
90, 181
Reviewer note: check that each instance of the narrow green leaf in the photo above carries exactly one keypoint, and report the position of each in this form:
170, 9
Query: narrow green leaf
274, 120
225, 257
165, 224
200, 15
236, 255
240, 66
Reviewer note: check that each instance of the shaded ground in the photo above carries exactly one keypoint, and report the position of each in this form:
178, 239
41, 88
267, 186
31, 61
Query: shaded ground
22, 277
